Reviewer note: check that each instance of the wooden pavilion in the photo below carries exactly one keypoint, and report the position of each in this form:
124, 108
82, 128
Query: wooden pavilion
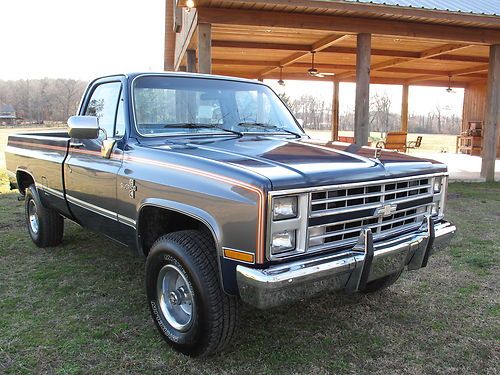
455, 43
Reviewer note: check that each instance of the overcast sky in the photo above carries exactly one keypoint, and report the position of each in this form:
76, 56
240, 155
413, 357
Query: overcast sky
79, 39
69, 39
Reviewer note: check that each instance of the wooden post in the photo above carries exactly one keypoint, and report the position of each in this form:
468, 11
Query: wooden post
362, 107
169, 52
404, 108
205, 48
492, 116
191, 60
335, 111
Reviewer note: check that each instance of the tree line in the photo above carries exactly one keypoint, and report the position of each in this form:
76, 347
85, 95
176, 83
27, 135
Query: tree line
42, 100
317, 115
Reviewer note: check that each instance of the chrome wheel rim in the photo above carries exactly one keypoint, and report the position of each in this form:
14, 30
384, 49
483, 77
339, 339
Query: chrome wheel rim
175, 297
33, 216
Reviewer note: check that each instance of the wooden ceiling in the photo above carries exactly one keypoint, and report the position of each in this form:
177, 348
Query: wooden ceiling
258, 50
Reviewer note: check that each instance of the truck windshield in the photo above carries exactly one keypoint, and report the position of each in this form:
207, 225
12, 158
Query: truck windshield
166, 105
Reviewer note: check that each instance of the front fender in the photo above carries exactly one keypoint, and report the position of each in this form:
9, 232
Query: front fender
228, 283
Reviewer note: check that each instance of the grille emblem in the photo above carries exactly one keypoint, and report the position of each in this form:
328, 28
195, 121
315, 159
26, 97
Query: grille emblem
386, 210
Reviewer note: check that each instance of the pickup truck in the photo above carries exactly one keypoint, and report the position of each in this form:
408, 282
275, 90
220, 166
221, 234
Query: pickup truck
215, 183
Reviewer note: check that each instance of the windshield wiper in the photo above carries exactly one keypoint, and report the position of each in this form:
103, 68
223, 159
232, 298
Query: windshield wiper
268, 126
196, 125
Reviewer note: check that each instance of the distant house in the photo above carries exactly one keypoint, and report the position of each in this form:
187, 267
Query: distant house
7, 114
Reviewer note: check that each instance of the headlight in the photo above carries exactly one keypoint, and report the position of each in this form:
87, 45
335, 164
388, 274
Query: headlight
283, 241
438, 184
284, 208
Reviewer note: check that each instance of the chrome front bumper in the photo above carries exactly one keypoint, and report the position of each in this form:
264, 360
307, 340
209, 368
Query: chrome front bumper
349, 270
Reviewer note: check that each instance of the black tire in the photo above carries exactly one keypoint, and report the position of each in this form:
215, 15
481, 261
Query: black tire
214, 313
382, 283
50, 225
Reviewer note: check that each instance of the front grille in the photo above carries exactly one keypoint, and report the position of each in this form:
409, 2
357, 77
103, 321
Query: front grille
338, 215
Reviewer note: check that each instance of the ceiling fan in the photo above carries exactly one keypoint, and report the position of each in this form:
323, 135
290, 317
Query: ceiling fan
313, 72
449, 89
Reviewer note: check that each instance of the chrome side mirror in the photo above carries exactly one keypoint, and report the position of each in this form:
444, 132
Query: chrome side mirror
83, 127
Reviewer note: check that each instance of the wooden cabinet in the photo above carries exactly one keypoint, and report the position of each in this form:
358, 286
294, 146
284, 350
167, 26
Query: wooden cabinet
471, 145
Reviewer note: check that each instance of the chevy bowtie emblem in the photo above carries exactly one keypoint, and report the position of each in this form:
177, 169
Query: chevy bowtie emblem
130, 186
386, 210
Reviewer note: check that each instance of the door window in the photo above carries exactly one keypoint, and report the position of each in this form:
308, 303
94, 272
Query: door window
103, 104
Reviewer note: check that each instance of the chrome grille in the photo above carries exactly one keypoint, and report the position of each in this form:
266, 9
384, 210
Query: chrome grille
338, 215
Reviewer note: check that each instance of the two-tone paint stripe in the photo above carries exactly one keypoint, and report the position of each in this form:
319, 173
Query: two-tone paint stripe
261, 201
259, 253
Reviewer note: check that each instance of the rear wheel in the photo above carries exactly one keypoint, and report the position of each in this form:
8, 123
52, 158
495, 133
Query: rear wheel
185, 297
45, 225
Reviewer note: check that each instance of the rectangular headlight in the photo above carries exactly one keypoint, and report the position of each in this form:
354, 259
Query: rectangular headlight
283, 241
438, 184
284, 208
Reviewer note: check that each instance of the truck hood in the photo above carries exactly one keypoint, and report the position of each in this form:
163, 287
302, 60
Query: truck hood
290, 163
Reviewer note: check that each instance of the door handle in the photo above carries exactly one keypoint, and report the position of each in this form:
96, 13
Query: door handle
76, 144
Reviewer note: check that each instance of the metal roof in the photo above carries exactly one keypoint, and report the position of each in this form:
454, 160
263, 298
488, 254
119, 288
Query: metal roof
479, 7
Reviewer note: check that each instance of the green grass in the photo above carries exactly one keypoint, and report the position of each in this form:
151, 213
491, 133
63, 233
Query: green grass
80, 308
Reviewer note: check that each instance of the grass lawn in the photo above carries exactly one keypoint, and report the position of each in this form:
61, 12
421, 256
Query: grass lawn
81, 308
430, 142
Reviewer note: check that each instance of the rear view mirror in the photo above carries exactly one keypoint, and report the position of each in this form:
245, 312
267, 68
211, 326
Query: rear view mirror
83, 127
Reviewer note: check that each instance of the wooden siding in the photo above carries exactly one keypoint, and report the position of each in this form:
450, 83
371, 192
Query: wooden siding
475, 107
474, 104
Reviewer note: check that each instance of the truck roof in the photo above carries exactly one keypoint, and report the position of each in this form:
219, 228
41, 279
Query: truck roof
132, 75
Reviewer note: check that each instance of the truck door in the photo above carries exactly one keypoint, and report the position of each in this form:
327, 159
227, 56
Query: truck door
89, 177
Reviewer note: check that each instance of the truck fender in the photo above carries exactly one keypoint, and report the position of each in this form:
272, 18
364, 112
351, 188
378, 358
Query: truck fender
202, 216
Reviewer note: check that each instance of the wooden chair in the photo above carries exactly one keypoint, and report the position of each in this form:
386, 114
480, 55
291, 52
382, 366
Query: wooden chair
414, 144
394, 141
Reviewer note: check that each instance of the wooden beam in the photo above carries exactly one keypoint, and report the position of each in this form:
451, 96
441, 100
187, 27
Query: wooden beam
205, 48
344, 50
315, 47
427, 54
335, 111
329, 67
434, 81
453, 73
492, 116
378, 9
404, 108
169, 50
191, 60
473, 69
349, 25
362, 105
440, 50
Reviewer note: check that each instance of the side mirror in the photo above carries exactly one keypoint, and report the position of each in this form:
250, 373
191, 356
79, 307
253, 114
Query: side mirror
300, 121
83, 127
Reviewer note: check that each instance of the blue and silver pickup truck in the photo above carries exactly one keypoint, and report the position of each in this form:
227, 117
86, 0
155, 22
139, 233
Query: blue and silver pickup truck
215, 183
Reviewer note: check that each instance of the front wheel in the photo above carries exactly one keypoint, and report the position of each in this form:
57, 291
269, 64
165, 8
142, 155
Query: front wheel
45, 225
185, 297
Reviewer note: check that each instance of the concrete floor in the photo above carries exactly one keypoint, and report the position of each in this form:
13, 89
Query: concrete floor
460, 166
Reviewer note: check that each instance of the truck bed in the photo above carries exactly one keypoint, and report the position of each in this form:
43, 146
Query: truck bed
40, 155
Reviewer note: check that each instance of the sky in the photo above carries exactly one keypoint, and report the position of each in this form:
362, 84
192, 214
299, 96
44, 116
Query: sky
64, 39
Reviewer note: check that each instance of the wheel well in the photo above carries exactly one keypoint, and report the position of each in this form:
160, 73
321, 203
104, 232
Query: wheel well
24, 180
155, 222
